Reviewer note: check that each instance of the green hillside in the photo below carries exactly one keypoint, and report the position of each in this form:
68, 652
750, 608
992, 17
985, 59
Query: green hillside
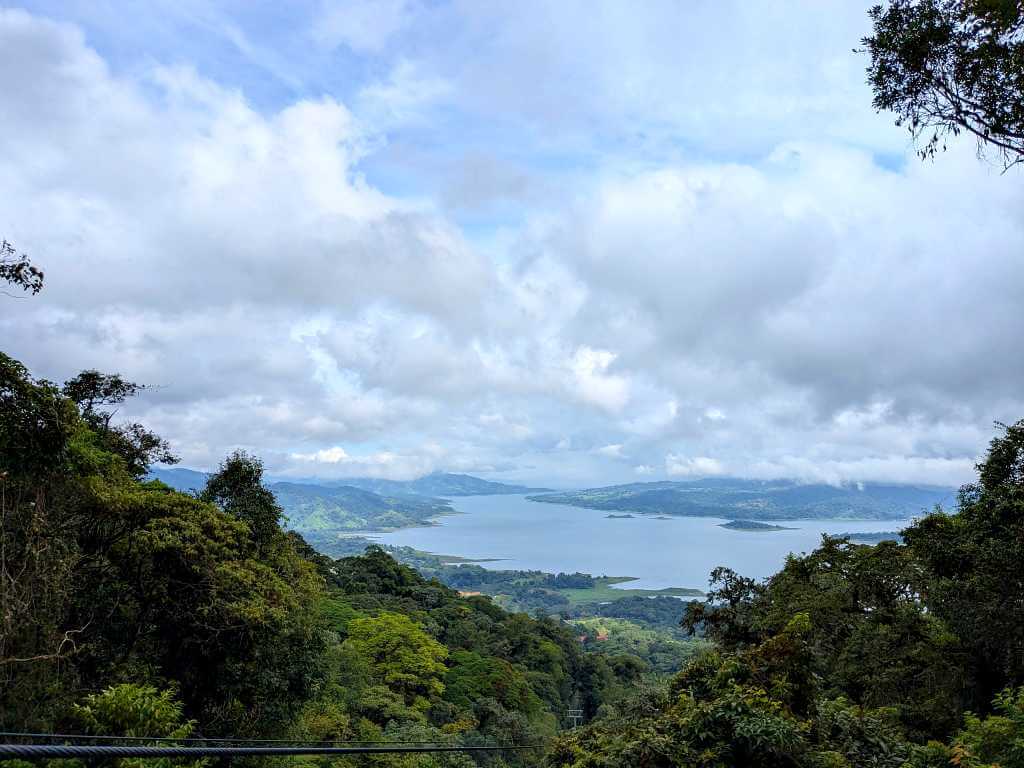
325, 511
736, 499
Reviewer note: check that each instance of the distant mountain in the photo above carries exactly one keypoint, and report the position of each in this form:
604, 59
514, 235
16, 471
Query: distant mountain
440, 484
317, 511
326, 511
179, 478
759, 500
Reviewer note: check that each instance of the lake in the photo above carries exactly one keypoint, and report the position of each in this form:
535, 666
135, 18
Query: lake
674, 552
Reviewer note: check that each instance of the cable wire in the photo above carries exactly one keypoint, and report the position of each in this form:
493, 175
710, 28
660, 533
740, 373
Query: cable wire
30, 751
191, 739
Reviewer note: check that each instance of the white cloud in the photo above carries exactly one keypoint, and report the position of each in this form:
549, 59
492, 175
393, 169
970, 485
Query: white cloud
593, 384
893, 468
433, 265
333, 455
677, 465
402, 98
337, 462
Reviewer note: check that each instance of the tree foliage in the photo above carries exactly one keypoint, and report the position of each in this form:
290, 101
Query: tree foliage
16, 269
401, 656
94, 393
107, 580
139, 711
971, 572
237, 488
949, 66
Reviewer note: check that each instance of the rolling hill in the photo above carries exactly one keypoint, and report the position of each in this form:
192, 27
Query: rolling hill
322, 510
759, 500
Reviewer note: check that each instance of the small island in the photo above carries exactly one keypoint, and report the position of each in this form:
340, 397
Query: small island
619, 517
753, 525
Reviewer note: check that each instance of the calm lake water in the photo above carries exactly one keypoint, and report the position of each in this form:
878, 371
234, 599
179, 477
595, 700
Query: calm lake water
677, 552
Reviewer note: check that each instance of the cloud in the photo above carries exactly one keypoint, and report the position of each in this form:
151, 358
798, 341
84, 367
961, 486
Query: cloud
893, 468
656, 80
403, 97
592, 383
696, 466
806, 310
681, 247
337, 462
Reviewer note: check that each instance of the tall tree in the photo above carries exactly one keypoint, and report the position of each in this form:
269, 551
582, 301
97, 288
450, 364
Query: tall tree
949, 66
973, 579
401, 656
237, 488
95, 394
37, 427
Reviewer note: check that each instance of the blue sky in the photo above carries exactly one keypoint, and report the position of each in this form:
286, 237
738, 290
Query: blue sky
562, 243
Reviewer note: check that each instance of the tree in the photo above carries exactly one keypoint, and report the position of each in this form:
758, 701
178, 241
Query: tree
16, 269
238, 628
136, 710
972, 561
37, 430
105, 579
473, 677
93, 392
872, 639
92, 389
948, 66
401, 656
237, 488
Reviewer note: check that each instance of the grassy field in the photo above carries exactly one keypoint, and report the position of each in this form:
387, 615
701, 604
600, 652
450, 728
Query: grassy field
604, 591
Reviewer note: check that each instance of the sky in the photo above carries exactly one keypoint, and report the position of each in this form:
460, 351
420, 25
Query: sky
569, 244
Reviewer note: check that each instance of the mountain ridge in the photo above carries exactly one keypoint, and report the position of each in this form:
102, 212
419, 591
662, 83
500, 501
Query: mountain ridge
739, 499
324, 511
436, 484
440, 484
